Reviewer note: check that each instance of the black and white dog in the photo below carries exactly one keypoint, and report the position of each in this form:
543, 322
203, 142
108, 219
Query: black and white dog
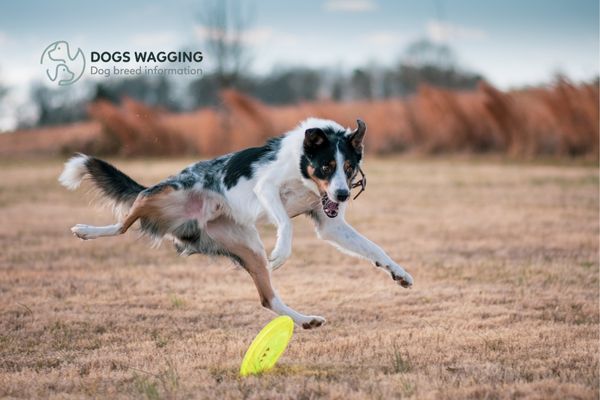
212, 207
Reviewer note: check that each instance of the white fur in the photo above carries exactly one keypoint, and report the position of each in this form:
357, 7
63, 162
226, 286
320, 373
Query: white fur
338, 182
276, 192
279, 308
74, 172
259, 198
343, 236
86, 232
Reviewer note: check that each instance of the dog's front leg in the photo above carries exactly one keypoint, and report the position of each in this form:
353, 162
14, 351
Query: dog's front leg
268, 195
348, 240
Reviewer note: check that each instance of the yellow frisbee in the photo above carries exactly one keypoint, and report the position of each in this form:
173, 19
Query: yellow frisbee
267, 346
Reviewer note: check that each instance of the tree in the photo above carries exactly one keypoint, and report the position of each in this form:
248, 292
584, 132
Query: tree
434, 64
3, 93
224, 24
389, 84
362, 84
204, 91
424, 52
287, 86
154, 91
57, 106
337, 88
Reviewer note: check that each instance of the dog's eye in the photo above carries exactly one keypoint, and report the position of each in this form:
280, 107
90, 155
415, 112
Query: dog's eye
348, 169
326, 169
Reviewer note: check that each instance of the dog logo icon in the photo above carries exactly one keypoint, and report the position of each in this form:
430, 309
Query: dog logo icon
62, 66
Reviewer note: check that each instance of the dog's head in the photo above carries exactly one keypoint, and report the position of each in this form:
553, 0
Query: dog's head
59, 52
331, 160
62, 73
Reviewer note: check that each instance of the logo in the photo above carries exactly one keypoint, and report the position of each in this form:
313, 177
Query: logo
63, 66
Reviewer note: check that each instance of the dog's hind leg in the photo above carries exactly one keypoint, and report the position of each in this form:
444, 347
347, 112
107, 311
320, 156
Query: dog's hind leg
244, 243
143, 206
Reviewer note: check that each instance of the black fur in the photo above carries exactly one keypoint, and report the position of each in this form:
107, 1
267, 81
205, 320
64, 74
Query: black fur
304, 163
217, 175
319, 153
240, 163
159, 188
207, 173
113, 183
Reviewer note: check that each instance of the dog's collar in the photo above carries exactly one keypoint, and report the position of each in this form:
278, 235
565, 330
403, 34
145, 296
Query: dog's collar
362, 182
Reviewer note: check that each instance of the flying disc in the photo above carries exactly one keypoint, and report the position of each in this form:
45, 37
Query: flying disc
267, 346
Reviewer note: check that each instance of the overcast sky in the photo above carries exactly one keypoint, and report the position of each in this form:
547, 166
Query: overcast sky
511, 42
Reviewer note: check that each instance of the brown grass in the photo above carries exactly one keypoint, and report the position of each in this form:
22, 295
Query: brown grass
505, 303
561, 120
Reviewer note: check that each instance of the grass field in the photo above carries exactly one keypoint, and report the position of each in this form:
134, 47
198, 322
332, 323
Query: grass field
505, 301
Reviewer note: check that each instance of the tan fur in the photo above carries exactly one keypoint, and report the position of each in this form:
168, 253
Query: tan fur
172, 207
234, 238
321, 184
146, 206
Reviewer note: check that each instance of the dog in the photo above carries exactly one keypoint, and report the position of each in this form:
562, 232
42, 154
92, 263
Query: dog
212, 207
65, 63
61, 52
63, 72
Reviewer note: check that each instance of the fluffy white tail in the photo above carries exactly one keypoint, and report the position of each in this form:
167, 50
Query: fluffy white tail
114, 187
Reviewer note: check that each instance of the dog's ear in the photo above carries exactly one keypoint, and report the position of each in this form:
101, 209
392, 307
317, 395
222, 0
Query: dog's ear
314, 137
356, 137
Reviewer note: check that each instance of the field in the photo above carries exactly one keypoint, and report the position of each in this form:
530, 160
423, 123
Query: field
505, 302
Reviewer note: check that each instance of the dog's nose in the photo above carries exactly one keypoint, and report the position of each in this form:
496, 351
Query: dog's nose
342, 194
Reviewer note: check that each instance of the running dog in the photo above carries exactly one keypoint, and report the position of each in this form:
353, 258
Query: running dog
212, 207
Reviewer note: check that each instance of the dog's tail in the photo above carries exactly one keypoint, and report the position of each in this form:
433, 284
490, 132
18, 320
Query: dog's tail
113, 186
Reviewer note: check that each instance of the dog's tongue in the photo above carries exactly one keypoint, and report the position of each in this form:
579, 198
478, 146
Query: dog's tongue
329, 207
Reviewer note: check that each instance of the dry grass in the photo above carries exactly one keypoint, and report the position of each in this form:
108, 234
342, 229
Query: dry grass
505, 305
561, 120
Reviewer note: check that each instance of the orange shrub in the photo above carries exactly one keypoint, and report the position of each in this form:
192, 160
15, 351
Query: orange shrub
561, 120
136, 129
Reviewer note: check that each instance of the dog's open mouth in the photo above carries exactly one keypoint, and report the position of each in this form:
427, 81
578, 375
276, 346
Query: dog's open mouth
329, 207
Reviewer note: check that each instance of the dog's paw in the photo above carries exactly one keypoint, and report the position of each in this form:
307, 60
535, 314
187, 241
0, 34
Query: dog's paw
313, 321
279, 256
399, 275
406, 281
283, 247
81, 231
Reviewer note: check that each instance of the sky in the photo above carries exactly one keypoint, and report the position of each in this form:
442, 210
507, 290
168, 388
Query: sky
511, 42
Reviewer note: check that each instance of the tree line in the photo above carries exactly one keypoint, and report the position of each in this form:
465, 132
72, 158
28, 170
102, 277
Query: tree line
422, 62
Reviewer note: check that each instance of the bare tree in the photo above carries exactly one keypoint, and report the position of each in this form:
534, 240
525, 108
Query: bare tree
425, 52
224, 24
3, 91
3, 107
362, 84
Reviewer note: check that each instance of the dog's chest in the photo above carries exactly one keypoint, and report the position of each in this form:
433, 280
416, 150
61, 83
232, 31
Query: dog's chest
297, 198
